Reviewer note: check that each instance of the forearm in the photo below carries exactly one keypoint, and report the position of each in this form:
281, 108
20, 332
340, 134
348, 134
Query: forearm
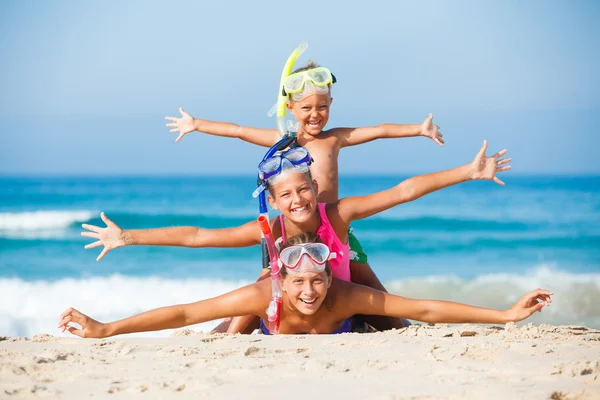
449, 312
185, 236
354, 208
154, 320
390, 131
226, 129
261, 137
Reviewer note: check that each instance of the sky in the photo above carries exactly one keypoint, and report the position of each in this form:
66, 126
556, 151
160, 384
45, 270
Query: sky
85, 86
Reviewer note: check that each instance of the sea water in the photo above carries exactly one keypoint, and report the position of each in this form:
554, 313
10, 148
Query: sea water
478, 243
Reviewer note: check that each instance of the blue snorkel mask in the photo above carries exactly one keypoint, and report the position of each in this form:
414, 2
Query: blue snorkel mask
296, 158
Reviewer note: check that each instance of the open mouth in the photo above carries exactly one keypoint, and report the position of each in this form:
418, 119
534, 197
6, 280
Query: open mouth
308, 302
313, 124
299, 209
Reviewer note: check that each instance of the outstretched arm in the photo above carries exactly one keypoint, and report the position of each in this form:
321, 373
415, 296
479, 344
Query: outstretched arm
354, 136
112, 236
249, 299
369, 301
482, 167
187, 124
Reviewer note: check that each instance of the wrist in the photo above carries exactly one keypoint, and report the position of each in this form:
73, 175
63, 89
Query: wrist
127, 238
197, 124
506, 316
467, 172
107, 330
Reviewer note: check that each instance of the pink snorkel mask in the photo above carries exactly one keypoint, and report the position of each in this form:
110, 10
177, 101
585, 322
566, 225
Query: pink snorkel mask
307, 257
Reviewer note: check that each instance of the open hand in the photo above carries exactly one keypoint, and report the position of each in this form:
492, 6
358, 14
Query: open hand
529, 304
90, 328
110, 237
486, 168
431, 130
183, 125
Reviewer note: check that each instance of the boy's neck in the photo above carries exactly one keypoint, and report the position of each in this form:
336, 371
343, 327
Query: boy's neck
304, 137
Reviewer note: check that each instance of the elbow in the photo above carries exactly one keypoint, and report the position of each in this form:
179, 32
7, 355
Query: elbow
197, 239
408, 191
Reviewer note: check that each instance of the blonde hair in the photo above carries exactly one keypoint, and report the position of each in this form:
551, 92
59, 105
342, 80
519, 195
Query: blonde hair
310, 64
270, 183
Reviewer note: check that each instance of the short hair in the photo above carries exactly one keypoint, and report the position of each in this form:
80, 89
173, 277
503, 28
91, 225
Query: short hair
310, 64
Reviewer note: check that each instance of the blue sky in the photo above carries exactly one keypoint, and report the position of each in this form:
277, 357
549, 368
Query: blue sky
84, 87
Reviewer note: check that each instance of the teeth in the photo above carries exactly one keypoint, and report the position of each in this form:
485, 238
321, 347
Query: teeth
308, 302
299, 209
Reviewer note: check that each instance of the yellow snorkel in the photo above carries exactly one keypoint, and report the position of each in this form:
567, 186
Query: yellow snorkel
281, 98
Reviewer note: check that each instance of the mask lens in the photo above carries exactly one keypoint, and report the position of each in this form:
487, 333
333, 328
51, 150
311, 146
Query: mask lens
297, 154
318, 252
270, 165
320, 76
290, 256
294, 83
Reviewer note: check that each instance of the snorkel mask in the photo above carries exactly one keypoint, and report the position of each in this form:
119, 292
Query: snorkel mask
307, 257
297, 159
302, 84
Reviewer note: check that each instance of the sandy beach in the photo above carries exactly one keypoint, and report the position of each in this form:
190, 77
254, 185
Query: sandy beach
420, 362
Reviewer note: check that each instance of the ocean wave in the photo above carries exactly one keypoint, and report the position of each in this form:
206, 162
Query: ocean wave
29, 308
575, 301
32, 307
217, 217
42, 220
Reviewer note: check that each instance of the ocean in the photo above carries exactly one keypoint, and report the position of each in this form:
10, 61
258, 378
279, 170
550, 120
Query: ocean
478, 243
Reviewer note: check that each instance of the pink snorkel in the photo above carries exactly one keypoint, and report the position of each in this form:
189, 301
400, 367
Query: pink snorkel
274, 309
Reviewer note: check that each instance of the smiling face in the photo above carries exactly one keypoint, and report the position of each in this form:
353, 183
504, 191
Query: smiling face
295, 195
312, 113
306, 291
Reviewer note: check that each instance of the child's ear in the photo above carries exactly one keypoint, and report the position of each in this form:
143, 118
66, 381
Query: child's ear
290, 107
272, 202
316, 186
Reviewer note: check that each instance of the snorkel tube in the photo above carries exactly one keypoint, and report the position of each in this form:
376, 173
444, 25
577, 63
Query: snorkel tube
274, 310
281, 96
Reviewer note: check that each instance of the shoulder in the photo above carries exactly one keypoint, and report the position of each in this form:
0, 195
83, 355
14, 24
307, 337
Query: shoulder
342, 296
259, 293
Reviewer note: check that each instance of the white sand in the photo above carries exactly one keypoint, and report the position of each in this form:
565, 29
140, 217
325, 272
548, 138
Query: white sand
421, 362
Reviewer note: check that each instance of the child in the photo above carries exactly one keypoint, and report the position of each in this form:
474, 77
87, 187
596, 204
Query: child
309, 102
293, 191
313, 303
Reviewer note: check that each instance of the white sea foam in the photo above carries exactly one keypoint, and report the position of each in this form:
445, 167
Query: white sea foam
29, 308
42, 220
575, 301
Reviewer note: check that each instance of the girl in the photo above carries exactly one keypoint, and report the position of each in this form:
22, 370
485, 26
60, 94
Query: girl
293, 191
313, 302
